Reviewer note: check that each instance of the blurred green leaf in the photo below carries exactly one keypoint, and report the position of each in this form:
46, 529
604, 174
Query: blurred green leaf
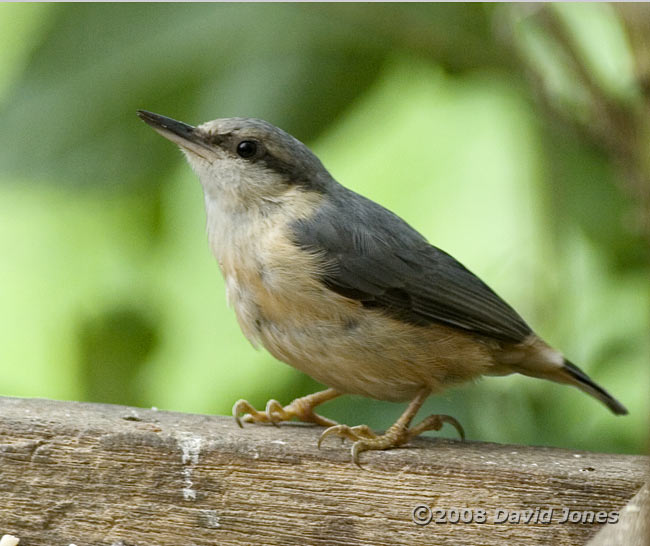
600, 38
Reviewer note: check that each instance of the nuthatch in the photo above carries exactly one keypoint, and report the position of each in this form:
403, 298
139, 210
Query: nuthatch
346, 291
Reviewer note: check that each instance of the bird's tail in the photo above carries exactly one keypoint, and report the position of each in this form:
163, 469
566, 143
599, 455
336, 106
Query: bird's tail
570, 373
538, 359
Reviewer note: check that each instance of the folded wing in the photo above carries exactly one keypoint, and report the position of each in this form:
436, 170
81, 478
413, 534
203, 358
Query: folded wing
374, 257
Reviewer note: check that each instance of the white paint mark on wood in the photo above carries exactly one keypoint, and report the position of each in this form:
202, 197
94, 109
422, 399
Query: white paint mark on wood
210, 519
190, 445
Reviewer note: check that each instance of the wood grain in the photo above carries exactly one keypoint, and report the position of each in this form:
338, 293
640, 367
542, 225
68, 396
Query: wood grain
94, 474
633, 527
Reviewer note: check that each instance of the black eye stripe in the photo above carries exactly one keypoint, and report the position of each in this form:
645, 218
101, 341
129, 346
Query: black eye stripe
247, 149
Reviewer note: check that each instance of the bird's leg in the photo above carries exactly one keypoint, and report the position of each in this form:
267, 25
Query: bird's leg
301, 408
398, 434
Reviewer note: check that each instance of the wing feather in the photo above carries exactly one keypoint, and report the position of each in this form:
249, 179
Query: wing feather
373, 256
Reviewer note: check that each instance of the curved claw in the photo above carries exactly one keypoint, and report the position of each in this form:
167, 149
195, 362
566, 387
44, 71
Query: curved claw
435, 422
358, 447
454, 423
356, 434
241, 406
275, 412
336, 429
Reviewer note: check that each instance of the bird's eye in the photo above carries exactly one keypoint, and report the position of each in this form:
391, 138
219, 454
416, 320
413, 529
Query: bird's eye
246, 149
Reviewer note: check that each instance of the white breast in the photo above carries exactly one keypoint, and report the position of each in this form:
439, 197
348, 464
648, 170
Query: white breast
265, 272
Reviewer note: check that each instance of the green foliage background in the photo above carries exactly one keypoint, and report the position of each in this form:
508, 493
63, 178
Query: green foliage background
473, 122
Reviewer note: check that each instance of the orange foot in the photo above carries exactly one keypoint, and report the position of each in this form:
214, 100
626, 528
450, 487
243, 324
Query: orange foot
300, 408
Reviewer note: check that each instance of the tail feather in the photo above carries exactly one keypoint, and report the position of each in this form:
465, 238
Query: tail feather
581, 380
536, 358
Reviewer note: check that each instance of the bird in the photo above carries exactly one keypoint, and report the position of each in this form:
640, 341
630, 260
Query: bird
343, 289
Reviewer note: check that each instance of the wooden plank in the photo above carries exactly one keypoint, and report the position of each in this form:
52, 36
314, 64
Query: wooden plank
633, 527
94, 474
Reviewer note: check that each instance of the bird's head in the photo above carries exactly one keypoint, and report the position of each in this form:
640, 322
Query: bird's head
244, 161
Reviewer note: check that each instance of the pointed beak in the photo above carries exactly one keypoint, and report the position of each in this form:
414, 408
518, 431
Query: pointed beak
184, 135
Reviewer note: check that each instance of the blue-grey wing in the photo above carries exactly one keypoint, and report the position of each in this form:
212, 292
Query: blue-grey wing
374, 257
